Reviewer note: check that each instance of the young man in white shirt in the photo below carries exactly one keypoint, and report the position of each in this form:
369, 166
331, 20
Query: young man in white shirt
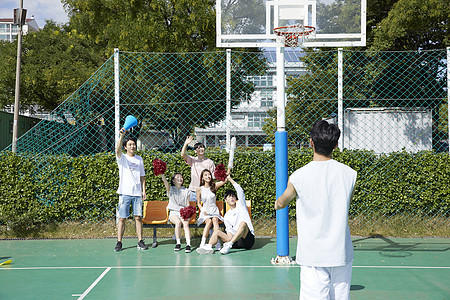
131, 188
324, 189
198, 164
238, 224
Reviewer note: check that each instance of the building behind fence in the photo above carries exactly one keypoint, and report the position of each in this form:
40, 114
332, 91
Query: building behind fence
384, 103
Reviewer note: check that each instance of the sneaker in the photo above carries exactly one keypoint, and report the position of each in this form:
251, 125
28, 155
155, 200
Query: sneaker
207, 249
188, 249
141, 245
226, 248
177, 247
118, 247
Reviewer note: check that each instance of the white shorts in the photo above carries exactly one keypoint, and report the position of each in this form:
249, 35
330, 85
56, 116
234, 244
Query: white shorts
325, 282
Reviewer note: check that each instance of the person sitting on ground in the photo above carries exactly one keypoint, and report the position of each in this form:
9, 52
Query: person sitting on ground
238, 224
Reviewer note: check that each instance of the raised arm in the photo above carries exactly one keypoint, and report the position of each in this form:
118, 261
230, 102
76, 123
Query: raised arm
183, 150
220, 183
239, 191
166, 183
287, 196
119, 143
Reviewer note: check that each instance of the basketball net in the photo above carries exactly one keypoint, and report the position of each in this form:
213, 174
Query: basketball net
293, 35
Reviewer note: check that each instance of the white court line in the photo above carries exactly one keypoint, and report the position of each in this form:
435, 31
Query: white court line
400, 267
194, 267
94, 284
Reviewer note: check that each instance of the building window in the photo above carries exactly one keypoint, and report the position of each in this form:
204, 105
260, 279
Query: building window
266, 99
4, 28
261, 81
256, 120
4, 37
15, 28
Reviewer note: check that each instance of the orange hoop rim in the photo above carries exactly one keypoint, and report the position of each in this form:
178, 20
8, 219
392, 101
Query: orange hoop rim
281, 31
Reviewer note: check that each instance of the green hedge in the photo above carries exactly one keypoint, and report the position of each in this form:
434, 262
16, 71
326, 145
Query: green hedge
36, 190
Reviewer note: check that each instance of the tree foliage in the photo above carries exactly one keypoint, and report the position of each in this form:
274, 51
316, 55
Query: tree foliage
413, 25
175, 92
55, 62
143, 25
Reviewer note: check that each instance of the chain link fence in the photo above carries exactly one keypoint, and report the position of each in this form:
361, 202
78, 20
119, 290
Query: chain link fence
392, 108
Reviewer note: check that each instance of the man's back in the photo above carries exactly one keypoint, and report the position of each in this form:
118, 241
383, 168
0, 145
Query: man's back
324, 190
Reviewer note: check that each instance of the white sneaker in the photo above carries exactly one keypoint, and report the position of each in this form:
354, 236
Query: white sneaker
226, 248
207, 249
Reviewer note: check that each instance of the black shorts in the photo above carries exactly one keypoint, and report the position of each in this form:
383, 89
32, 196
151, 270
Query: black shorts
245, 243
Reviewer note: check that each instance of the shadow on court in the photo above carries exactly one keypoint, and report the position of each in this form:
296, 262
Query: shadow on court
384, 268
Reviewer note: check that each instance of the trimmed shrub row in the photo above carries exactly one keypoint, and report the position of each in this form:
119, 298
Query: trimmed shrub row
44, 189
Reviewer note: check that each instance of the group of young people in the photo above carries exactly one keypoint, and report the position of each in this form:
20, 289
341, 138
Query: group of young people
202, 189
323, 190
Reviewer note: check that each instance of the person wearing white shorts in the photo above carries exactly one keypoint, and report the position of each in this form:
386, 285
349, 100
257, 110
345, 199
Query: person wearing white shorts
325, 283
324, 189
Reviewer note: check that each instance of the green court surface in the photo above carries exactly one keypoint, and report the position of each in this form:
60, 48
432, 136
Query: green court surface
384, 268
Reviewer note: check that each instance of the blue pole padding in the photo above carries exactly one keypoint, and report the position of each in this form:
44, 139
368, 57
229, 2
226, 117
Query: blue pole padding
281, 174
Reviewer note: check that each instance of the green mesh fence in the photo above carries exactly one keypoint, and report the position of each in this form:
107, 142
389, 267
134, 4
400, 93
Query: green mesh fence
392, 108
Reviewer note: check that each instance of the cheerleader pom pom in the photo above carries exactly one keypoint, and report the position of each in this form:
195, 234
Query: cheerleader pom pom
159, 167
220, 173
187, 212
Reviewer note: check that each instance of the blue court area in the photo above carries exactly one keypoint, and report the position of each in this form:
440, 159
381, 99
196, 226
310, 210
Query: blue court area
384, 268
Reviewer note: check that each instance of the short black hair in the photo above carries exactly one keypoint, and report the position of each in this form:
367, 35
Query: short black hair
125, 141
325, 137
230, 193
198, 145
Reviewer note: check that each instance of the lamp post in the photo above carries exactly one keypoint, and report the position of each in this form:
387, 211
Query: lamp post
20, 15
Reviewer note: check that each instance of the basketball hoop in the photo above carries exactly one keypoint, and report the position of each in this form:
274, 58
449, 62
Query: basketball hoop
293, 35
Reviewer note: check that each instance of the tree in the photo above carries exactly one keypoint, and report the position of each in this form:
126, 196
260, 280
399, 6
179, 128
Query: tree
175, 92
55, 62
142, 25
413, 25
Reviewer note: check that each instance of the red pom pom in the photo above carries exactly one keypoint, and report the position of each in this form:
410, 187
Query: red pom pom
220, 173
187, 212
159, 167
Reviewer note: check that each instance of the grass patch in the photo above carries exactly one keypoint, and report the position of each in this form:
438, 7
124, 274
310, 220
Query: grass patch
407, 226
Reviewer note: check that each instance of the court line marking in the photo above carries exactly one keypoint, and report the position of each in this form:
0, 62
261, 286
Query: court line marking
193, 267
94, 283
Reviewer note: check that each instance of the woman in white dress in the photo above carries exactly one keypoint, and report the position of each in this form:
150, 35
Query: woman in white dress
206, 201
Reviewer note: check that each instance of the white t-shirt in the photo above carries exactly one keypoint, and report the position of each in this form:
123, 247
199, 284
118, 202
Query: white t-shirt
324, 189
178, 198
234, 217
131, 168
197, 166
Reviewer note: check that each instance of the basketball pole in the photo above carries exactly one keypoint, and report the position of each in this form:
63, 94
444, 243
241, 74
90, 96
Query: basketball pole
281, 158
21, 17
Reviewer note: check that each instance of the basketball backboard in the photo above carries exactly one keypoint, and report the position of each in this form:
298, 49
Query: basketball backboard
250, 23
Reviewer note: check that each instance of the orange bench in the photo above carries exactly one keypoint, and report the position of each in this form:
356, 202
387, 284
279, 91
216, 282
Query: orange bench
156, 215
